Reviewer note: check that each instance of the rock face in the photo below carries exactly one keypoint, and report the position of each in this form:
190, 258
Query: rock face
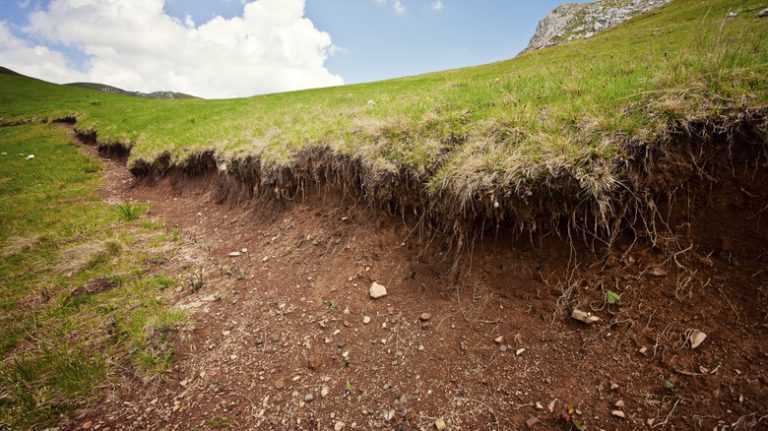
583, 20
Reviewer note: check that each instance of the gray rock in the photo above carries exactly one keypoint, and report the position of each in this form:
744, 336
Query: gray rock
309, 398
583, 20
763, 13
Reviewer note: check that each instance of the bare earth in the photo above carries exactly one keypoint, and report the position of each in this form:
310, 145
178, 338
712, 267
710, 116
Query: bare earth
279, 341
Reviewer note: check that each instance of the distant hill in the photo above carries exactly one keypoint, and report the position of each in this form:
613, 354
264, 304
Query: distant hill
5, 71
110, 89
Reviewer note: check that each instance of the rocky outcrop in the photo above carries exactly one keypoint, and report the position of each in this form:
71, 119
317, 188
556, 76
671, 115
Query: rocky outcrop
582, 20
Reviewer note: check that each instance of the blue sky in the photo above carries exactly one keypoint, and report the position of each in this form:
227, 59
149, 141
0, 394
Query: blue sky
369, 39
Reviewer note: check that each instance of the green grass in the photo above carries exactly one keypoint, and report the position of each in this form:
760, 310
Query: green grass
55, 235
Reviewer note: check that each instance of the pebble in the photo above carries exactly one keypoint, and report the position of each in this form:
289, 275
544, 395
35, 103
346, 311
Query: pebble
440, 425
424, 317
244, 250
324, 391
309, 398
234, 254
499, 339
618, 414
531, 422
539, 406
614, 386
339, 426
389, 415
279, 384
696, 338
377, 291
519, 352
265, 259
30, 157
584, 317
366, 320
763, 13
619, 404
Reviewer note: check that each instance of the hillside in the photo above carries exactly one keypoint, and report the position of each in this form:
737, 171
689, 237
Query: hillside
570, 239
172, 95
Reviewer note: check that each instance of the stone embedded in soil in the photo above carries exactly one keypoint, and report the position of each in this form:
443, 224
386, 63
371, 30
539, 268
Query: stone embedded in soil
377, 291
499, 339
658, 271
279, 384
763, 13
324, 391
618, 414
424, 317
619, 404
531, 422
235, 254
440, 425
339, 426
309, 398
696, 338
584, 317
366, 320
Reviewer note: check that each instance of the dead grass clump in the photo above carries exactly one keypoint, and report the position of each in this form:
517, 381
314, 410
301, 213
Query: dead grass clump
81, 256
19, 245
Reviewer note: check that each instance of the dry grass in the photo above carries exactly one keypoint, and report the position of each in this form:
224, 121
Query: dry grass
19, 245
81, 256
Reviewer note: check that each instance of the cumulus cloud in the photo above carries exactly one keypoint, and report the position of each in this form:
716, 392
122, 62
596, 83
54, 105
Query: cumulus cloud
136, 45
34, 60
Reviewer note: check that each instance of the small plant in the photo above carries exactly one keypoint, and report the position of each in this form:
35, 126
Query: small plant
332, 304
612, 297
129, 211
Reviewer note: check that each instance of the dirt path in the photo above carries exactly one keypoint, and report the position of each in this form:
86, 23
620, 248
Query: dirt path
286, 335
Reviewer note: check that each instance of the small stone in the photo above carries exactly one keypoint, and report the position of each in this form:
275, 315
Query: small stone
658, 271
389, 415
226, 333
265, 259
377, 291
324, 391
614, 386
619, 404
424, 317
30, 157
696, 337
440, 425
234, 254
530, 423
539, 406
650, 422
519, 352
584, 317
503, 348
643, 350
309, 398
339, 426
618, 414
366, 320
244, 250
763, 13
279, 384
499, 339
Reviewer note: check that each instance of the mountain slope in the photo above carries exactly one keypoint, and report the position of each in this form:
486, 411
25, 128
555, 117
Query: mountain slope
547, 134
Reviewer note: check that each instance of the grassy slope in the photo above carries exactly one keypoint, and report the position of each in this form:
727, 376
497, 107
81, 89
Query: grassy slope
54, 352
566, 108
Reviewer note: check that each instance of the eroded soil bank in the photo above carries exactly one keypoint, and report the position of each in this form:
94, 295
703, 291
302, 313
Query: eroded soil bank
286, 335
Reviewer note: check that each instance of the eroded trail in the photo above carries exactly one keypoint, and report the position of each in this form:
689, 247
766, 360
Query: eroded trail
286, 336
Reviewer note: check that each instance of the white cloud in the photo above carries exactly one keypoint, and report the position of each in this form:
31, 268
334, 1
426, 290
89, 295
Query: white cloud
437, 5
135, 45
34, 60
397, 5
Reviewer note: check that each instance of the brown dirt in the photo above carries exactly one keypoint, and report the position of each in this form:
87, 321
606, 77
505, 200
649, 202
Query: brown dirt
273, 325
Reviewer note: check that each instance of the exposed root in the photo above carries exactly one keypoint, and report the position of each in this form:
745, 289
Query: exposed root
637, 192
